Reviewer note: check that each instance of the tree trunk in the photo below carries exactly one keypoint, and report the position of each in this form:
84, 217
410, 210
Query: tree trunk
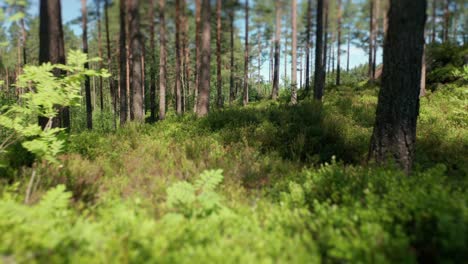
136, 48
245, 94
371, 40
434, 20
52, 49
338, 49
89, 109
218, 55
446, 20
275, 90
394, 132
112, 89
325, 44
307, 46
375, 28
153, 64
162, 61
293, 53
197, 51
178, 78
123, 63
204, 82
98, 15
319, 81
185, 60
231, 80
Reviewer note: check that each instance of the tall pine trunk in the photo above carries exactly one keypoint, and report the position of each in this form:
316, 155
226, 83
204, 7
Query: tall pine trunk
98, 16
112, 87
338, 48
89, 108
231, 78
153, 64
178, 77
307, 46
218, 55
162, 61
245, 94
394, 135
123, 63
275, 90
52, 49
197, 51
446, 21
319, 81
205, 50
371, 40
136, 49
294, 53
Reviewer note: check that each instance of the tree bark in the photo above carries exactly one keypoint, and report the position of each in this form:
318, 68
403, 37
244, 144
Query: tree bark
52, 49
371, 40
338, 49
123, 63
98, 15
307, 46
319, 81
218, 55
204, 82
112, 87
178, 83
434, 20
231, 80
294, 53
275, 90
89, 108
394, 132
162, 61
136, 49
245, 94
446, 20
197, 51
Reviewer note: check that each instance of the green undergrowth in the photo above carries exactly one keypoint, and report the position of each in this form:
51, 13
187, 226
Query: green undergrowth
248, 185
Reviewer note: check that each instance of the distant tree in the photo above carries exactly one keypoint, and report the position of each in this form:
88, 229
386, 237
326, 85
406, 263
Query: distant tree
338, 48
205, 49
394, 134
307, 46
162, 61
153, 63
178, 79
52, 49
89, 107
99, 40
198, 11
231, 68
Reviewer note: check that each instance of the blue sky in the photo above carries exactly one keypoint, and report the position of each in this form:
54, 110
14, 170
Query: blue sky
71, 9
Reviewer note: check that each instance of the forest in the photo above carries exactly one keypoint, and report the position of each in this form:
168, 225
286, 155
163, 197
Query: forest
233, 131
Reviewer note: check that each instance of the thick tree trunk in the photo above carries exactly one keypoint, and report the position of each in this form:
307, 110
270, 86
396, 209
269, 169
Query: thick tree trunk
52, 49
338, 48
394, 133
218, 55
89, 108
136, 48
231, 80
204, 82
178, 79
275, 90
197, 51
294, 53
307, 46
319, 81
162, 61
123, 64
245, 94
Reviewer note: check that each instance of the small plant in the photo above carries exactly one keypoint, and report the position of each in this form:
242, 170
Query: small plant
46, 93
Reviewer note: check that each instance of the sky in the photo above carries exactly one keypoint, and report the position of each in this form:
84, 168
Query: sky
71, 9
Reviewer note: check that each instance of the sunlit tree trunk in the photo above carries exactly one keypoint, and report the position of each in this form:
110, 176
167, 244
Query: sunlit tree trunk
394, 134
162, 61
52, 49
205, 49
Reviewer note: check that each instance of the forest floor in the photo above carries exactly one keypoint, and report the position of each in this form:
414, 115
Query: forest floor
266, 183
